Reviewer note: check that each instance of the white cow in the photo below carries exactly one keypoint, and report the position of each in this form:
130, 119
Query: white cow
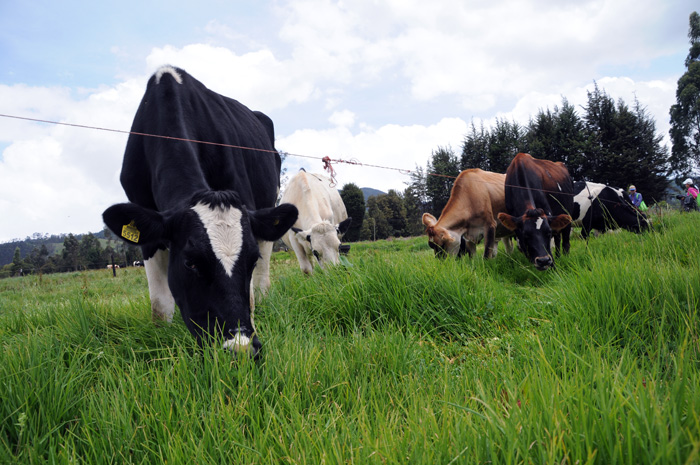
321, 223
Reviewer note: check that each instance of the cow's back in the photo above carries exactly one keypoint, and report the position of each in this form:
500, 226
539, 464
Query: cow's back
315, 200
534, 183
476, 193
161, 173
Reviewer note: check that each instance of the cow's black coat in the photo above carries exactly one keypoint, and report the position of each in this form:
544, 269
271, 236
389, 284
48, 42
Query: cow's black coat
165, 178
538, 201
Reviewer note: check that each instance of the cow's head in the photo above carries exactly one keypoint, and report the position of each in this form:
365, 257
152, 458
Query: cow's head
213, 251
533, 231
443, 241
323, 241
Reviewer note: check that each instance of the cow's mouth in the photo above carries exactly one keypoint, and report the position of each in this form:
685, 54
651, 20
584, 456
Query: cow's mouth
242, 345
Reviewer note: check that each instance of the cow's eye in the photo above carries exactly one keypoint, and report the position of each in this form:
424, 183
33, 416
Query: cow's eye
190, 265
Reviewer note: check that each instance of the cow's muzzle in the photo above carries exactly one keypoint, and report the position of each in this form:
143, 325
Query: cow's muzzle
240, 344
543, 263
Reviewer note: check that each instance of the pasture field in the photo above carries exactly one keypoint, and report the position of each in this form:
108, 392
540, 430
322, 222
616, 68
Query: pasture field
399, 358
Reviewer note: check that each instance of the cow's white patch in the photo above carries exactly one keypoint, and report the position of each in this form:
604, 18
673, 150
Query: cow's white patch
162, 301
225, 232
538, 223
586, 197
238, 343
169, 70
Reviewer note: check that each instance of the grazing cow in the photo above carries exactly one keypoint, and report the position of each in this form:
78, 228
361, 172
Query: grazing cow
112, 267
203, 214
601, 207
539, 199
476, 199
138, 263
322, 220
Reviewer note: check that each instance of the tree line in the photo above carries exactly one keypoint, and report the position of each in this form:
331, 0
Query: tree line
86, 253
609, 142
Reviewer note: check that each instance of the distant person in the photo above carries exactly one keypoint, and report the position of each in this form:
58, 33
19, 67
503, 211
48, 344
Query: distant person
635, 197
690, 199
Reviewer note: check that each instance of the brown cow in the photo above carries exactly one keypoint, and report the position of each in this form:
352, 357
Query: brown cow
471, 213
539, 199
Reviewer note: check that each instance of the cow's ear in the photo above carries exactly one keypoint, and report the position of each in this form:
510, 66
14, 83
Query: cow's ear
269, 224
302, 235
559, 222
343, 226
135, 224
429, 220
510, 222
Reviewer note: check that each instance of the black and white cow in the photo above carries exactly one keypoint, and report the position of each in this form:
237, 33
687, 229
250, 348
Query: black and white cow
601, 207
203, 214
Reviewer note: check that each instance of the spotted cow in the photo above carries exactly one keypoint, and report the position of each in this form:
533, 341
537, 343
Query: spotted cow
203, 213
476, 199
601, 207
539, 199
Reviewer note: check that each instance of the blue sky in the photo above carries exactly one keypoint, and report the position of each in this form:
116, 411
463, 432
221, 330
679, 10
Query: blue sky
379, 81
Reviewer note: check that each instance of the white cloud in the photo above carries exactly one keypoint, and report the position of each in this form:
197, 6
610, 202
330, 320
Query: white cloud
258, 79
384, 155
344, 118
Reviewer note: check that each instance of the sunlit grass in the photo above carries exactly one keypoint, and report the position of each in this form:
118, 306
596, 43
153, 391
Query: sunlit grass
399, 358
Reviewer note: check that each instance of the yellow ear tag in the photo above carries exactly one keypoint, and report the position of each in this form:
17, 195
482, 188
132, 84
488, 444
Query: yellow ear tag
130, 233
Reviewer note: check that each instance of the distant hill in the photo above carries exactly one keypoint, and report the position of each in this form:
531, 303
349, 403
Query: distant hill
54, 244
369, 192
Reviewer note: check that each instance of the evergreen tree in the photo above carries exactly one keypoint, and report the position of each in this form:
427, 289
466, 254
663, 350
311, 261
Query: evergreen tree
685, 114
91, 252
505, 141
443, 168
377, 221
392, 207
623, 147
354, 201
570, 139
18, 265
541, 138
558, 136
475, 149
71, 253
38, 257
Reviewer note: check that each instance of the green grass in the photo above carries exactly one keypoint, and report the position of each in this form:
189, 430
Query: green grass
399, 358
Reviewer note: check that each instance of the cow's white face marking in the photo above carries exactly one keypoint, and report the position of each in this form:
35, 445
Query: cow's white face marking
538, 223
238, 343
225, 233
169, 70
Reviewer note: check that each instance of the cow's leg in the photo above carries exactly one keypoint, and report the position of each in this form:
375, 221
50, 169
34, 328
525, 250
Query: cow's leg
471, 248
556, 239
508, 244
566, 236
585, 232
252, 305
490, 244
162, 302
261, 273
